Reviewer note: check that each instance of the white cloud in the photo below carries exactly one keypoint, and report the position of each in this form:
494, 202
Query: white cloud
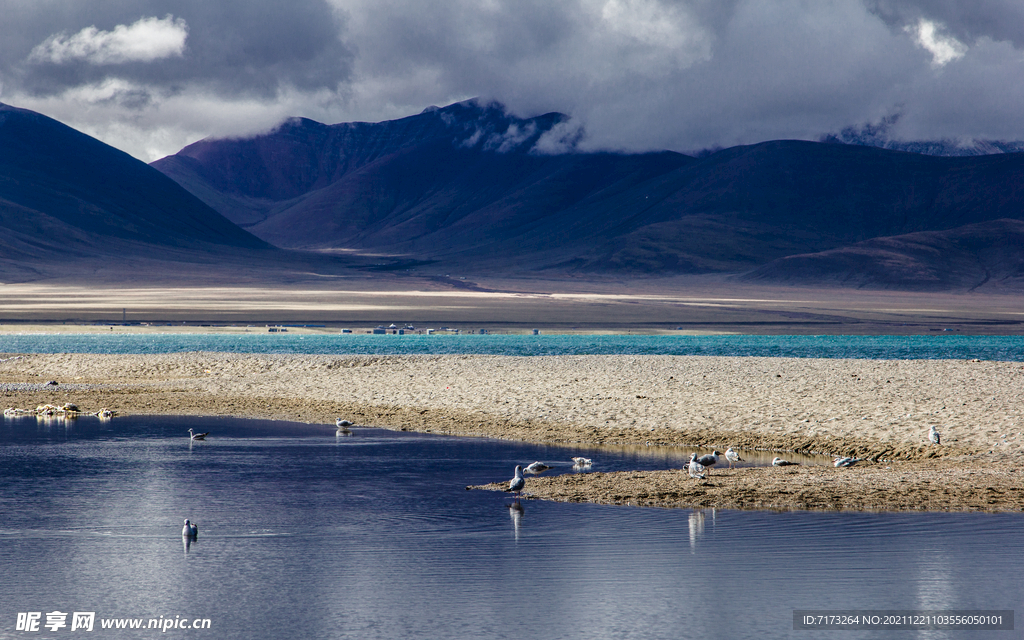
170, 121
145, 40
944, 49
664, 31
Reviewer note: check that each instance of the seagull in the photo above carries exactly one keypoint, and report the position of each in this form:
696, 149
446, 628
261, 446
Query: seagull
190, 530
517, 483
709, 460
695, 467
197, 436
779, 462
732, 456
933, 435
845, 462
582, 462
536, 467
342, 423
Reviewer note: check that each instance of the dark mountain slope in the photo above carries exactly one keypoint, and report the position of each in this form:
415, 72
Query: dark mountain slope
748, 205
968, 257
62, 188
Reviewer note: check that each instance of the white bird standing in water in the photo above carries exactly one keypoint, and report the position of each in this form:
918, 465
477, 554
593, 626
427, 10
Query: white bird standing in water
197, 436
342, 423
933, 435
536, 467
190, 530
732, 456
517, 483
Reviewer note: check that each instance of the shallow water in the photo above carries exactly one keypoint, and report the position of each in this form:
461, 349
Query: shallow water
927, 347
304, 534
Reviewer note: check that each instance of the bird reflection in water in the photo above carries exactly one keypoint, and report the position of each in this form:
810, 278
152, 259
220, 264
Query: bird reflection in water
697, 519
696, 529
515, 511
187, 542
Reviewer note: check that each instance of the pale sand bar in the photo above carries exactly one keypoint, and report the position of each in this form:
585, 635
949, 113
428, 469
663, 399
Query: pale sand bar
880, 410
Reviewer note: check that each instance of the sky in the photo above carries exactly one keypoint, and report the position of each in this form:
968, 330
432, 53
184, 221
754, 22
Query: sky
151, 76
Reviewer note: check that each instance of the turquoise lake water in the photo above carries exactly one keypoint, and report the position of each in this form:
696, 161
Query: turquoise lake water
940, 346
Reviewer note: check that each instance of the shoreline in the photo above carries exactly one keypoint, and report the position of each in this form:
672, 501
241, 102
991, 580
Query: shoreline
878, 410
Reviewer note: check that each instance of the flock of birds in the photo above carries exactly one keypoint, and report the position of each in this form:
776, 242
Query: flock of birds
698, 467
66, 410
519, 481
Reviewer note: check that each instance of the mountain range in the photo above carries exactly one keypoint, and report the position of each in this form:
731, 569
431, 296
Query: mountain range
469, 185
472, 187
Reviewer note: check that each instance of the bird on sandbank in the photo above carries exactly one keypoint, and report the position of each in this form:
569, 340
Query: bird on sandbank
190, 530
933, 435
197, 436
695, 468
732, 456
517, 483
841, 461
779, 462
536, 467
709, 460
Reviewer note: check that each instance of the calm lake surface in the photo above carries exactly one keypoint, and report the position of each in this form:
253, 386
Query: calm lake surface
929, 347
304, 534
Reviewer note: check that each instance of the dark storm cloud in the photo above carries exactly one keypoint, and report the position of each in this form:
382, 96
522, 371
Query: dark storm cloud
634, 74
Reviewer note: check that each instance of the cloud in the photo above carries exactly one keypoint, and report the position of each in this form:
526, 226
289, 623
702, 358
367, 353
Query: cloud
632, 74
145, 40
944, 49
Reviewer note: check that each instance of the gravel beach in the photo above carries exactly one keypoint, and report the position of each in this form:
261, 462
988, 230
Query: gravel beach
878, 410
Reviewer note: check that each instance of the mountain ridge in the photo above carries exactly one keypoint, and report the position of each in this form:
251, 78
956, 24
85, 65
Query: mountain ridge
466, 186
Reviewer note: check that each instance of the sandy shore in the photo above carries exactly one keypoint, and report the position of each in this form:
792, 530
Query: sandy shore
878, 410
